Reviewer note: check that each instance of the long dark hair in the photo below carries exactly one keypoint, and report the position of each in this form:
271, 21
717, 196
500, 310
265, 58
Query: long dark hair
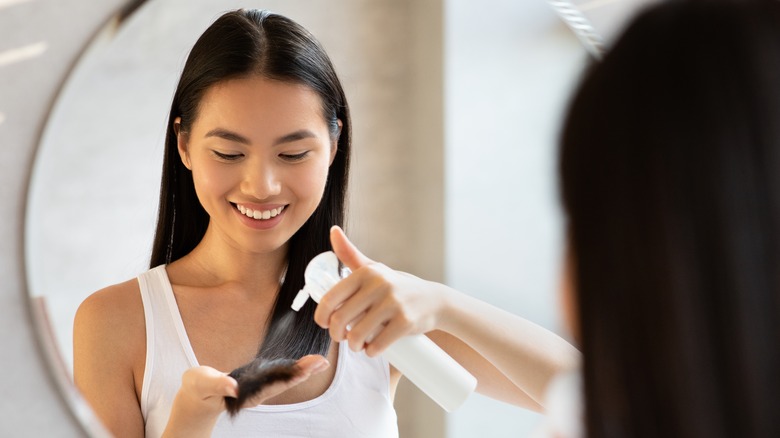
670, 171
242, 43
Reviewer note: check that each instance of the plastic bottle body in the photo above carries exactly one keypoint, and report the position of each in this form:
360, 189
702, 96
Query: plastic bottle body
432, 370
417, 357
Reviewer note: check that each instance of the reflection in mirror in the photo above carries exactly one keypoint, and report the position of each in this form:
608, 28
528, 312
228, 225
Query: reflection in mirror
96, 176
93, 198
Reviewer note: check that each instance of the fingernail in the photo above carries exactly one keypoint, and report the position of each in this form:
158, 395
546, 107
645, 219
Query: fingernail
320, 366
232, 391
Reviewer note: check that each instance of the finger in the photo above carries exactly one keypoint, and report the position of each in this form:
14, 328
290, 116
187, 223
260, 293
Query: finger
339, 331
232, 387
312, 364
341, 321
394, 331
223, 385
360, 341
307, 367
346, 251
352, 298
371, 326
206, 382
335, 298
272, 390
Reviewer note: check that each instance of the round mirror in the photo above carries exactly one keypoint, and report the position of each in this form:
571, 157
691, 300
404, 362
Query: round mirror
448, 101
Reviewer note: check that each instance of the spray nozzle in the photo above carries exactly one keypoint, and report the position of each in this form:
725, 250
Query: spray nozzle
321, 274
300, 299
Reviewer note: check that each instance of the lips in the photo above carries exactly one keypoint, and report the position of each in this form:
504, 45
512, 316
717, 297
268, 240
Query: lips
260, 214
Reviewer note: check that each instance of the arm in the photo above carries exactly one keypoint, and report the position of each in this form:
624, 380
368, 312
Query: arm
109, 359
512, 358
108, 336
502, 349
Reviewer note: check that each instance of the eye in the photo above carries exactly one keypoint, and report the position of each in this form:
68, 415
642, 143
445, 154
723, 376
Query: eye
227, 157
294, 157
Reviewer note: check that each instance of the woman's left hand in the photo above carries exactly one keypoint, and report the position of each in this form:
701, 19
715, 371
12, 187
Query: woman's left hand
375, 305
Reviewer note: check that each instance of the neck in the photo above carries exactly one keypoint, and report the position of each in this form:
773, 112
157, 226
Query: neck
219, 261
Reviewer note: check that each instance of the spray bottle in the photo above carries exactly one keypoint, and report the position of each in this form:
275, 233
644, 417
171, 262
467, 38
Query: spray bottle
416, 357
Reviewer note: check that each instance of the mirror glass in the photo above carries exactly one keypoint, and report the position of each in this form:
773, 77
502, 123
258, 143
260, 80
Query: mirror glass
92, 193
93, 196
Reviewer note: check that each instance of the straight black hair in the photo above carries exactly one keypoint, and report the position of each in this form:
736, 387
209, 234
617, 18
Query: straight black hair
239, 44
670, 176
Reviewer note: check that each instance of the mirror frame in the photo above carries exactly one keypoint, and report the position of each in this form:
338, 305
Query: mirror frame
34, 380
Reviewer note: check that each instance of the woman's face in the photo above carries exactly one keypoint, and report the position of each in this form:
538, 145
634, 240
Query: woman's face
259, 152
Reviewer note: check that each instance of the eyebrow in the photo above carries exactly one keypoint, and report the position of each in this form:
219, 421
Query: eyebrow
227, 135
238, 138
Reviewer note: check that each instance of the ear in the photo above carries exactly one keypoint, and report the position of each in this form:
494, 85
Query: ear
334, 146
181, 143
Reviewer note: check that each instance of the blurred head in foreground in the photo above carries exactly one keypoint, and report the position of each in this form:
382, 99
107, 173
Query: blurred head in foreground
670, 171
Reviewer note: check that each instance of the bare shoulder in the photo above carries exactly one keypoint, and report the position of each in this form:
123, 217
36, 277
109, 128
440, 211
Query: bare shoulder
109, 352
111, 321
116, 306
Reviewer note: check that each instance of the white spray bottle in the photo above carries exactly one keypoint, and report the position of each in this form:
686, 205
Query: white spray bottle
416, 357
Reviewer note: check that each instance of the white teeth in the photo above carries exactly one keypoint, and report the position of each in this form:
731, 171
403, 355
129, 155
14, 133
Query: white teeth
257, 214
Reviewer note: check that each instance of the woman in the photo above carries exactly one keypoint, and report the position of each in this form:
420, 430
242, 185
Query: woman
255, 174
669, 169
255, 170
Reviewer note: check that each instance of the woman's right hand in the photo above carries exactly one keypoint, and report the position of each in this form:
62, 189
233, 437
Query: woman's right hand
201, 397
375, 305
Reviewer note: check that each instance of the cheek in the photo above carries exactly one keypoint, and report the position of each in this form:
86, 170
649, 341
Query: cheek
310, 182
210, 181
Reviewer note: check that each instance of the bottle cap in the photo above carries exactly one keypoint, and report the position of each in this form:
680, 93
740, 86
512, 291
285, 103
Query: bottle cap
321, 274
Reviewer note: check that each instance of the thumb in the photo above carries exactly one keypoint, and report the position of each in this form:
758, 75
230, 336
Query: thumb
346, 251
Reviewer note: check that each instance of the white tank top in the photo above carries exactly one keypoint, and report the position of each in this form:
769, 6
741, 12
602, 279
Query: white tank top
357, 403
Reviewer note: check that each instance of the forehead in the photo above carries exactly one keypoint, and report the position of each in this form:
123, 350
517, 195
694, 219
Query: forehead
258, 103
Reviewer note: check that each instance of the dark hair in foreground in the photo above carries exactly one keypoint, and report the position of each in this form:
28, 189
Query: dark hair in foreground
239, 44
670, 167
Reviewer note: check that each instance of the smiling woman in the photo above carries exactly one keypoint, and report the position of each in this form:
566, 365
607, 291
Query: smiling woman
254, 140
92, 202
219, 279
116, 144
118, 155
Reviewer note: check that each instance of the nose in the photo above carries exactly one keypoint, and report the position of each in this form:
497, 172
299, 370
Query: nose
261, 180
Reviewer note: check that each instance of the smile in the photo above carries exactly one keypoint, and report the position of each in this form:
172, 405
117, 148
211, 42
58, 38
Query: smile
259, 214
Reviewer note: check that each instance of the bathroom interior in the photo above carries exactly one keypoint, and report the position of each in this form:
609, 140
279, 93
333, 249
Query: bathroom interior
455, 108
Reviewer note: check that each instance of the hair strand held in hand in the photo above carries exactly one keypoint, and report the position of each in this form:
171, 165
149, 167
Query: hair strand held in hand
255, 376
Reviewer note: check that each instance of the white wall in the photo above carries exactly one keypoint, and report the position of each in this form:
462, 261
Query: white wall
509, 67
